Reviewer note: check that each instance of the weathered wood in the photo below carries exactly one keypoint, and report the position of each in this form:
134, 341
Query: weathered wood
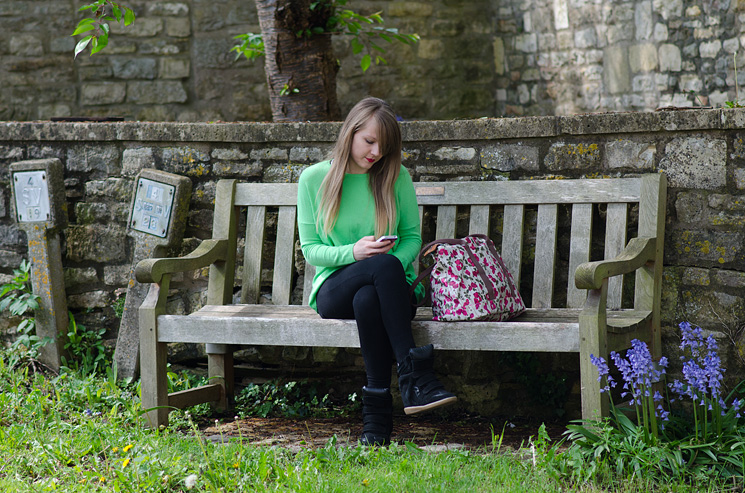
192, 397
545, 256
479, 223
284, 255
579, 250
253, 253
310, 272
615, 241
445, 222
589, 330
512, 239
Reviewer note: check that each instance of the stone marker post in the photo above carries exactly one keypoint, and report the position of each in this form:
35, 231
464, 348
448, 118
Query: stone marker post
156, 222
41, 211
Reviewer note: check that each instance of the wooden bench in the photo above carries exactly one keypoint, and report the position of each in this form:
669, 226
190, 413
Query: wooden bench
569, 224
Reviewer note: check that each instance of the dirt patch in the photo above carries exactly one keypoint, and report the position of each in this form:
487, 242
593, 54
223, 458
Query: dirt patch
436, 432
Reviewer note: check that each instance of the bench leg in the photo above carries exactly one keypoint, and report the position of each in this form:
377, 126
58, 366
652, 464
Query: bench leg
153, 359
593, 340
220, 370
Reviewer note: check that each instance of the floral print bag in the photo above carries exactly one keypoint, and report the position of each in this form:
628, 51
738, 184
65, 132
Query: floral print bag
469, 281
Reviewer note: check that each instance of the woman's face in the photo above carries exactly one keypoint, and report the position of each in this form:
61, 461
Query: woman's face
365, 148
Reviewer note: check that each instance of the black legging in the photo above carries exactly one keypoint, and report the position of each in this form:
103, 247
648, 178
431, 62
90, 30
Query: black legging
375, 293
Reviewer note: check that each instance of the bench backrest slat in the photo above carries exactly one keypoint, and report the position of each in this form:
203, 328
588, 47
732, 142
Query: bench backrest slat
479, 223
512, 239
615, 241
252, 254
579, 250
545, 255
530, 213
284, 255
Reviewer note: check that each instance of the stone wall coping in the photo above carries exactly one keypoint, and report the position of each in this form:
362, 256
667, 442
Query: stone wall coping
679, 119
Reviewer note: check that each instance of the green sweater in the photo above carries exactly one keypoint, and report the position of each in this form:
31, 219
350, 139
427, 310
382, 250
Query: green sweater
356, 219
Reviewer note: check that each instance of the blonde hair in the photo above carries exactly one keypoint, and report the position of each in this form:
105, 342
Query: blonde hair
382, 175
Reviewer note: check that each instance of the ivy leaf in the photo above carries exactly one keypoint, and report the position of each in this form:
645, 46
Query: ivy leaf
82, 44
365, 63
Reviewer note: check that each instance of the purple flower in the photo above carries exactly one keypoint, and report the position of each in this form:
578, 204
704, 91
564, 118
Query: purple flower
702, 369
603, 371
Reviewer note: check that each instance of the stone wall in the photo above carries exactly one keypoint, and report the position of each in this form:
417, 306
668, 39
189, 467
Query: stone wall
701, 151
477, 58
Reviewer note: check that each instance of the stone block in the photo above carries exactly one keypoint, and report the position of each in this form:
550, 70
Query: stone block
239, 169
159, 92
179, 27
696, 276
644, 83
740, 178
498, 47
643, 20
134, 160
643, 58
102, 93
694, 162
133, 68
26, 45
229, 154
272, 154
410, 9
562, 156
660, 32
63, 44
430, 49
707, 248
116, 275
454, 154
622, 153
669, 58
509, 157
729, 278
585, 38
172, 9
306, 154
690, 83
189, 161
174, 68
616, 69
731, 45
710, 49
288, 173
10, 259
143, 27
117, 189
96, 243
78, 277
527, 43
163, 47
93, 299
99, 160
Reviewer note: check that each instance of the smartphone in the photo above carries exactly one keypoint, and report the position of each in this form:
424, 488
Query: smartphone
387, 238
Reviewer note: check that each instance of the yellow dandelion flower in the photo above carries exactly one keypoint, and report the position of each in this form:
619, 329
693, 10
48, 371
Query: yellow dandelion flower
125, 463
365, 482
236, 465
126, 449
115, 450
102, 479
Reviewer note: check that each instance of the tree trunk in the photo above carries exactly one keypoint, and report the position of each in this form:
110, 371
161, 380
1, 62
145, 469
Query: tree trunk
300, 70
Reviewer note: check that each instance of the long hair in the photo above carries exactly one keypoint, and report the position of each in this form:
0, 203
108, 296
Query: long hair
382, 175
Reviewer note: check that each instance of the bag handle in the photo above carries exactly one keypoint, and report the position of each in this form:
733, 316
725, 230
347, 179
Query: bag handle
490, 245
474, 260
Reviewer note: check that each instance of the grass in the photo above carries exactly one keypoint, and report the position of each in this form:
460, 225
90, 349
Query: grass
69, 433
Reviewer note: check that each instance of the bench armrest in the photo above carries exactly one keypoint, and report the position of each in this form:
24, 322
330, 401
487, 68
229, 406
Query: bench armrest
208, 252
638, 252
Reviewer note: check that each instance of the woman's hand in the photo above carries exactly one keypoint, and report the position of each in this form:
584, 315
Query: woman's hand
367, 247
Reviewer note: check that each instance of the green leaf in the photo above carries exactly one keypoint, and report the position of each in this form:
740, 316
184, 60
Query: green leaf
82, 44
357, 46
129, 16
105, 28
83, 28
117, 13
103, 40
365, 63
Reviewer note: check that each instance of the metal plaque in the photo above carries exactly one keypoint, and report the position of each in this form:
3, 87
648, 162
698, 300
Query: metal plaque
152, 207
31, 196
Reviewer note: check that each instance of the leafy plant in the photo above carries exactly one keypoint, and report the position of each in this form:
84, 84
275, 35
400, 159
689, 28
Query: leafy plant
17, 297
291, 399
702, 439
86, 349
736, 102
104, 12
366, 31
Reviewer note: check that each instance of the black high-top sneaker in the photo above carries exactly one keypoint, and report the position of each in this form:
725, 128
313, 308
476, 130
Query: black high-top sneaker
377, 416
420, 389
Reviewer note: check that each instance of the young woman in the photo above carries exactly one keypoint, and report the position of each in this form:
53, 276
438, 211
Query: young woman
344, 206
